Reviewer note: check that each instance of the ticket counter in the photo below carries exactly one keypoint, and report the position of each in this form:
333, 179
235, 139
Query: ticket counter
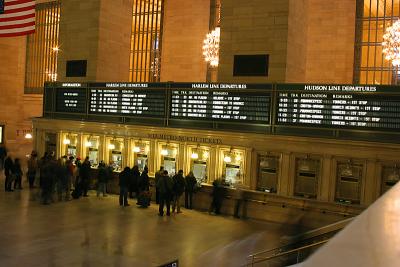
199, 162
115, 152
70, 143
233, 162
169, 157
92, 149
140, 153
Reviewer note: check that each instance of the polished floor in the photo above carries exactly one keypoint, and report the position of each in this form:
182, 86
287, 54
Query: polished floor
98, 232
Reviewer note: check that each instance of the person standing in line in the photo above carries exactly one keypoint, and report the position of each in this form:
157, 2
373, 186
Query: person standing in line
32, 169
70, 173
3, 155
9, 172
123, 186
218, 195
84, 173
165, 186
190, 184
158, 174
144, 183
18, 174
133, 181
102, 179
178, 189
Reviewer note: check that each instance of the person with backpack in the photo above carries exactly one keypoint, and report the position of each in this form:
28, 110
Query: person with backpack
165, 185
178, 189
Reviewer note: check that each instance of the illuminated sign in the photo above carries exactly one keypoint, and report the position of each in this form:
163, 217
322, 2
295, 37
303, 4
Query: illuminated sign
216, 104
337, 106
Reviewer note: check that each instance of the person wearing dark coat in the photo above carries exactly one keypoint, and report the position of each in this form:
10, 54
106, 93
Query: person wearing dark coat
133, 181
144, 182
190, 183
9, 172
123, 186
218, 195
3, 155
159, 174
84, 173
32, 169
165, 185
18, 174
178, 189
48, 169
102, 179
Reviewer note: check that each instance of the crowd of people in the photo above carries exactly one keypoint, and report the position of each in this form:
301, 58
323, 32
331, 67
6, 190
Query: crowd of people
68, 176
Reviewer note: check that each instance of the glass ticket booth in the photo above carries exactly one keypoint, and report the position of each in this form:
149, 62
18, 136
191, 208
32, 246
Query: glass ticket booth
307, 177
199, 163
140, 151
390, 177
50, 142
233, 166
268, 173
115, 152
92, 144
70, 144
348, 182
168, 155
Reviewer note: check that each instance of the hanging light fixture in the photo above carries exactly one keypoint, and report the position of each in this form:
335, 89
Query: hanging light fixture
227, 159
391, 44
28, 136
164, 152
111, 146
205, 155
238, 157
195, 155
67, 141
136, 149
211, 47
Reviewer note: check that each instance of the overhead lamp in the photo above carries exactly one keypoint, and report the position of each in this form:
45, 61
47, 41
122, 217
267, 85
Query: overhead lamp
195, 155
238, 158
111, 146
28, 136
227, 159
88, 143
67, 141
136, 149
164, 152
205, 155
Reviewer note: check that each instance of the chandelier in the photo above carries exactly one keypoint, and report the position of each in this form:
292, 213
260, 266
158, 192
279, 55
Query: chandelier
211, 47
391, 44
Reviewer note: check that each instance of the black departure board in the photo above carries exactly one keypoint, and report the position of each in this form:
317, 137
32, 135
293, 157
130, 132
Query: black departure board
221, 102
336, 106
71, 98
127, 99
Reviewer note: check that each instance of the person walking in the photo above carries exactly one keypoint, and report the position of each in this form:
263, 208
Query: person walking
18, 174
157, 177
165, 186
8, 172
84, 174
32, 169
190, 187
3, 155
178, 189
123, 186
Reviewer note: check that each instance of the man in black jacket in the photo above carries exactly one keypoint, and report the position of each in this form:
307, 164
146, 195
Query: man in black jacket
179, 188
123, 186
84, 173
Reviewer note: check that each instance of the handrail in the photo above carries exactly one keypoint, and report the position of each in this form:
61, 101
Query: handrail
310, 234
285, 253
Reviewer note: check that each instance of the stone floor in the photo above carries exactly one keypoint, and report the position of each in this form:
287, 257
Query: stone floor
98, 232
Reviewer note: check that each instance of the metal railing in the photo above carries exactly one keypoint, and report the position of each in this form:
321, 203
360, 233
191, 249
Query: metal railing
300, 247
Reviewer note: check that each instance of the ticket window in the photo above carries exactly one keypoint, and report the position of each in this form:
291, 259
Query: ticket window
50, 143
141, 151
307, 177
268, 174
92, 144
233, 167
70, 142
390, 177
348, 182
168, 158
115, 152
199, 163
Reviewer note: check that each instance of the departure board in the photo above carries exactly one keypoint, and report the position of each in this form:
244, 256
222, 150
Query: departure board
222, 102
127, 99
345, 106
71, 97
